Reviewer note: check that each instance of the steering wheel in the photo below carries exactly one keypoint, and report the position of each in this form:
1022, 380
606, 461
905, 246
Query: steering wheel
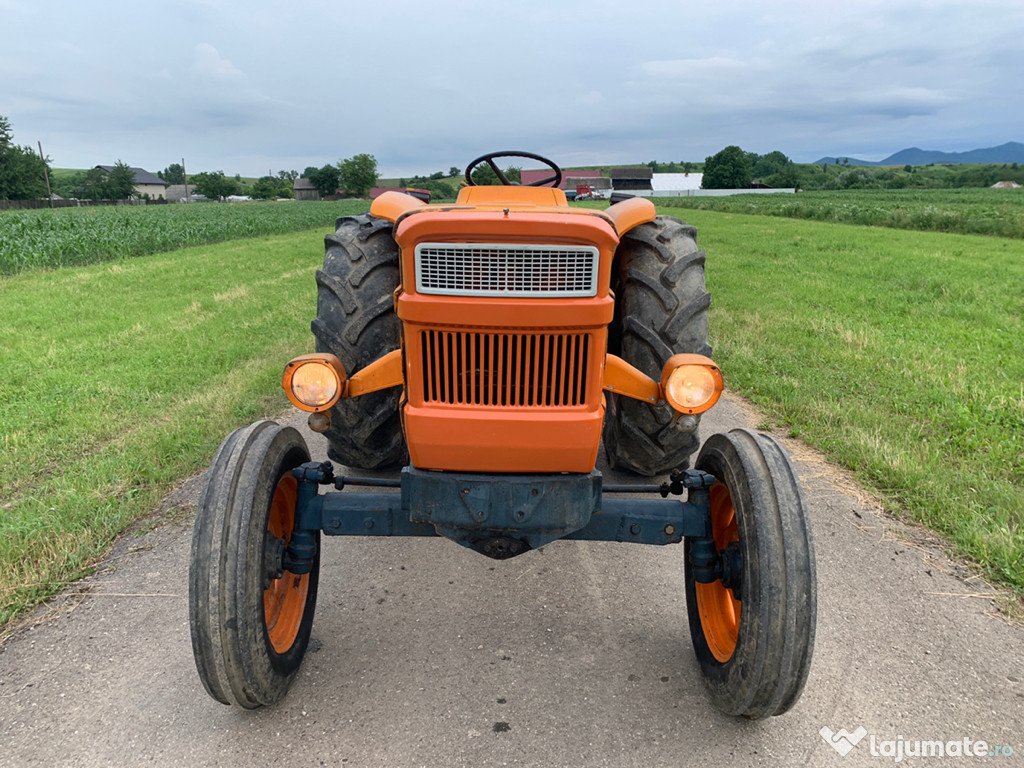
489, 158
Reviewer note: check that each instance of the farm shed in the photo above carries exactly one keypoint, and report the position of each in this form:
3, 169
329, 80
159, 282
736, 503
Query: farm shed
145, 182
529, 177
631, 179
176, 193
304, 190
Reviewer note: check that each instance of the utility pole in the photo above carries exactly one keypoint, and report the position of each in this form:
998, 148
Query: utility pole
46, 173
185, 174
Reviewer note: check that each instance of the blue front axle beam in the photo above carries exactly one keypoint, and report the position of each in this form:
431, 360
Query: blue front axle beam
497, 515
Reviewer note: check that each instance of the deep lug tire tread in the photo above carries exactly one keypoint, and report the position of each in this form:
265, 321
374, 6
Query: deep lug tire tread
356, 321
661, 309
769, 667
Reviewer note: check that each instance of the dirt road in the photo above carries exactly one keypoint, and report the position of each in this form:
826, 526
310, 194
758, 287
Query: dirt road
426, 654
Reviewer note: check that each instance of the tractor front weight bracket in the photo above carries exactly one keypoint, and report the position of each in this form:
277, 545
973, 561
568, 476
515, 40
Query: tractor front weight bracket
501, 516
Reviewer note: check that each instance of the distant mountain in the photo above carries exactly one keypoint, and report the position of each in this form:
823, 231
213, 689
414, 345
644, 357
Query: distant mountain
1010, 152
846, 160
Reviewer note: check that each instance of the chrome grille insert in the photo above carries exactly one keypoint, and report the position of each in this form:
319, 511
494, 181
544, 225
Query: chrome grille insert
495, 269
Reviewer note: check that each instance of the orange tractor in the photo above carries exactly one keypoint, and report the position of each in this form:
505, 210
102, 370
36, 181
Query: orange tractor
488, 348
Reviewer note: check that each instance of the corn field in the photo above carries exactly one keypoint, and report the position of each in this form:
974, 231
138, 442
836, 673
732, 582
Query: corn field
47, 239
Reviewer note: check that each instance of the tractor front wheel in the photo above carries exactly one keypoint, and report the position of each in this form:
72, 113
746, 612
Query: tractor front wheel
250, 619
754, 634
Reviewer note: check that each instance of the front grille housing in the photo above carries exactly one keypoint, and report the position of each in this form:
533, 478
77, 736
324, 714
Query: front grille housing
505, 370
499, 270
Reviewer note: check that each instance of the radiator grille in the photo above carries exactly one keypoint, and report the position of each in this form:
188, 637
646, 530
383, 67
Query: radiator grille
505, 370
491, 269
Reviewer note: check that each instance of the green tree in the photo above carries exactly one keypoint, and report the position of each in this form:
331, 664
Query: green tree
94, 185
173, 174
440, 191
121, 182
266, 188
776, 170
21, 169
325, 180
285, 187
484, 176
729, 169
214, 185
773, 162
358, 173
453, 171
788, 177
288, 176
67, 185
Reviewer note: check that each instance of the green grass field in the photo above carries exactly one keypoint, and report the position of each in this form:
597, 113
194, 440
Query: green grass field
896, 353
998, 212
122, 378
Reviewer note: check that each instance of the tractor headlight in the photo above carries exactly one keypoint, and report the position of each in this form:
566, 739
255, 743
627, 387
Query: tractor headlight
691, 383
314, 382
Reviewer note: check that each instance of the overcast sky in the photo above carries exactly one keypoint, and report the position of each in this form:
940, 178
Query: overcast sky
254, 86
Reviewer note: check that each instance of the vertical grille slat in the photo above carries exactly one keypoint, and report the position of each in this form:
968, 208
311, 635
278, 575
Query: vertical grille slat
505, 370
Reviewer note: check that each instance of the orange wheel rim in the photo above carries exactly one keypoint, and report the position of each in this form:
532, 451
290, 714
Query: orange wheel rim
718, 608
284, 601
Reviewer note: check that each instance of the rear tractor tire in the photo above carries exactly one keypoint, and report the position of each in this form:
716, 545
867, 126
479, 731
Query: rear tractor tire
661, 309
356, 320
755, 637
250, 628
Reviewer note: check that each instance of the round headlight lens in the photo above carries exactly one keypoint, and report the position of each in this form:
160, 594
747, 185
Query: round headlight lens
315, 384
690, 386
691, 383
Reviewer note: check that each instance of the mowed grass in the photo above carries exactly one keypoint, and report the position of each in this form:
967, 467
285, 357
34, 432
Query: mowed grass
120, 379
898, 354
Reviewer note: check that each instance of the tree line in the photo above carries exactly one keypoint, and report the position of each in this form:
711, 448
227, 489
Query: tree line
22, 171
733, 168
354, 176
23, 176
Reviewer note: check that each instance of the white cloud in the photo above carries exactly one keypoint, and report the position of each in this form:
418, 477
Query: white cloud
690, 69
208, 61
427, 86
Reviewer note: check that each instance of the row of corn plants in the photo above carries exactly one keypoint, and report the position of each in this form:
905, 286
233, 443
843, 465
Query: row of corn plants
45, 239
